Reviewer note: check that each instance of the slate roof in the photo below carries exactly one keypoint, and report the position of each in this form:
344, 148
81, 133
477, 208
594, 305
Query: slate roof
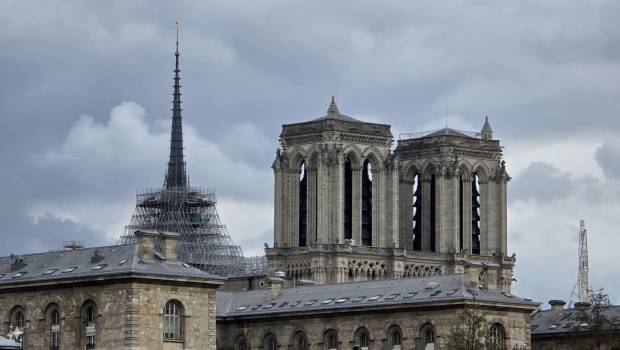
544, 324
355, 295
448, 131
115, 260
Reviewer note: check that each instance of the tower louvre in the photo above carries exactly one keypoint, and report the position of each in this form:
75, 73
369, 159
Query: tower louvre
188, 210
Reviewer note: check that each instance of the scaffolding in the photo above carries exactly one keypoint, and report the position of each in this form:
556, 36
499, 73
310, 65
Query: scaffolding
189, 211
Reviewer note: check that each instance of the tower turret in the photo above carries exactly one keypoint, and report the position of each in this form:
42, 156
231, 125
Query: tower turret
487, 132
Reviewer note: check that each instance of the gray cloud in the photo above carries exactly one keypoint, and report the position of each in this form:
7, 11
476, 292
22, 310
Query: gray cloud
543, 72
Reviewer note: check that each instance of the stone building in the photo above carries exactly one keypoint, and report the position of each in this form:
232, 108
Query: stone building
408, 313
571, 329
116, 297
348, 208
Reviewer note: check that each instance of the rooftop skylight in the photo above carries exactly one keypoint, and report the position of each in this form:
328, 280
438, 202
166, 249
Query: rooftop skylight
69, 269
310, 302
452, 292
374, 297
49, 272
410, 295
342, 300
327, 301
435, 293
357, 299
100, 266
122, 262
241, 308
392, 296
20, 274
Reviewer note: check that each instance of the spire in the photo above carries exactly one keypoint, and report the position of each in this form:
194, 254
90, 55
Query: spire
176, 175
333, 109
487, 132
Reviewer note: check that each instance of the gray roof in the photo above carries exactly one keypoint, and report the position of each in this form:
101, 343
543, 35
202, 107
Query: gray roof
448, 131
569, 320
114, 260
356, 295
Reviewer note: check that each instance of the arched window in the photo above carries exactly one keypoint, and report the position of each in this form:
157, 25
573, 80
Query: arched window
17, 324
270, 342
330, 339
88, 325
54, 321
427, 337
241, 343
367, 204
395, 338
497, 337
461, 213
303, 205
362, 339
300, 341
417, 213
475, 215
348, 199
173, 312
433, 216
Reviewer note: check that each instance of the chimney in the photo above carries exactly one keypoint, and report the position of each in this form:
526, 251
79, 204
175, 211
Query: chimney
582, 305
557, 307
97, 257
274, 284
147, 241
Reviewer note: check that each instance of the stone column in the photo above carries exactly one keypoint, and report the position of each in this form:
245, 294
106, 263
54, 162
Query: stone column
406, 213
377, 206
356, 175
278, 224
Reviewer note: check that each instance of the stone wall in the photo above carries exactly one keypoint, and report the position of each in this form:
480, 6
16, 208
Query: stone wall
411, 322
129, 314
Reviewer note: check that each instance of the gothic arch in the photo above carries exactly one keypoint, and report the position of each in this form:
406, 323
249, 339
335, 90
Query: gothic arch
429, 169
298, 156
411, 170
464, 169
482, 170
354, 154
373, 155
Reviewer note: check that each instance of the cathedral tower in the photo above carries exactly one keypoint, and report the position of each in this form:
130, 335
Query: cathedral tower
347, 208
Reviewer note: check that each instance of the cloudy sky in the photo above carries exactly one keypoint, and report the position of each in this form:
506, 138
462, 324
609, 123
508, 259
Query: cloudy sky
85, 107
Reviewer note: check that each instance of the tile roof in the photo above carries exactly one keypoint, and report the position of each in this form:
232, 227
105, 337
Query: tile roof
71, 264
357, 295
569, 320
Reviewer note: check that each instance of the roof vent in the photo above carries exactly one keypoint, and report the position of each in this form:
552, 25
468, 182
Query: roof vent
97, 257
280, 274
17, 262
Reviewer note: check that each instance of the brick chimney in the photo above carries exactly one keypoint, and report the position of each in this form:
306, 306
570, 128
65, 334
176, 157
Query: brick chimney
147, 242
557, 307
274, 284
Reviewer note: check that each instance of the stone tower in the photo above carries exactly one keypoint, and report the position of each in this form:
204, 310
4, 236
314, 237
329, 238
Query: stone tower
347, 208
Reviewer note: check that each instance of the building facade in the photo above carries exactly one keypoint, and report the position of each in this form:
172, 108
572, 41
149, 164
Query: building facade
412, 313
118, 297
348, 208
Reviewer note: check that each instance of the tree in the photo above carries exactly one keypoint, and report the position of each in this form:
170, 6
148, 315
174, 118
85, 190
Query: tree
471, 334
596, 324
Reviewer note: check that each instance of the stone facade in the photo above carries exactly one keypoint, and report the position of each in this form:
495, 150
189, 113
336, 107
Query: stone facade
380, 322
347, 208
127, 305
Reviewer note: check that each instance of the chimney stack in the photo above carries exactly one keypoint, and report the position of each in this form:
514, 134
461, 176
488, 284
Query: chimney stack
147, 241
274, 284
580, 305
557, 307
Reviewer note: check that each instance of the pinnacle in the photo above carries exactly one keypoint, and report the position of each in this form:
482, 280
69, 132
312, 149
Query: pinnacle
333, 108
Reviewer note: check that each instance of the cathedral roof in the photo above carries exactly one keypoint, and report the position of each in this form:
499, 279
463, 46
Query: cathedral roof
334, 113
448, 131
545, 323
355, 295
90, 262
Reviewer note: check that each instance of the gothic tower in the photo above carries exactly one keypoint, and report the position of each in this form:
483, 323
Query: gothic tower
347, 208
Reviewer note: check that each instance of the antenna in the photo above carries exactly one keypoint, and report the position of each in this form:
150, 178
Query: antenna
582, 288
177, 22
446, 114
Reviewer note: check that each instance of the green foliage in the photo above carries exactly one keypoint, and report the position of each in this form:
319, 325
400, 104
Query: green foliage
471, 334
595, 321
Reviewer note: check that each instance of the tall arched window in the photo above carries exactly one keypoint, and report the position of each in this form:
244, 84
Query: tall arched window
395, 338
461, 213
417, 213
88, 325
270, 342
497, 337
330, 340
367, 204
241, 343
300, 341
173, 312
433, 214
475, 214
303, 205
348, 199
54, 322
17, 322
362, 339
427, 337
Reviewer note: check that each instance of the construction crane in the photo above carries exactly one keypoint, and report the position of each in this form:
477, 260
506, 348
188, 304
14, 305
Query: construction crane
581, 291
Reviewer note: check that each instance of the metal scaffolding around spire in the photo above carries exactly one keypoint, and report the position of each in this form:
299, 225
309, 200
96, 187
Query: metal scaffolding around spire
190, 211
